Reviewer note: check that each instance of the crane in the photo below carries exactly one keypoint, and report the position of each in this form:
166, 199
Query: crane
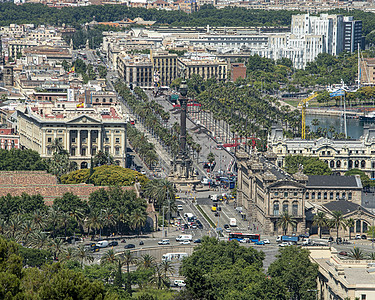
303, 105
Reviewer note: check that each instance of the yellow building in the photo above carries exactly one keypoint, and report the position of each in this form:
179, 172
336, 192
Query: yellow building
83, 131
206, 68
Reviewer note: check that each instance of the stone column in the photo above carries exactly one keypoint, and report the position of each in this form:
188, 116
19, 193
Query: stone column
112, 152
100, 139
78, 143
88, 142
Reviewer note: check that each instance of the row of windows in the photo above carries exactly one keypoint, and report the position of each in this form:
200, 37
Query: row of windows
286, 194
285, 207
319, 195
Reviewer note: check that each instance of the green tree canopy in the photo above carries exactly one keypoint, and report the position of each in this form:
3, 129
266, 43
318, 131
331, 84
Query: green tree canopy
104, 176
366, 181
70, 202
294, 269
311, 165
21, 160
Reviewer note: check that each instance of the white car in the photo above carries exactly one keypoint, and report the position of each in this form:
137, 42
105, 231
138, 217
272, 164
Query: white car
285, 244
164, 242
227, 230
181, 284
186, 242
180, 207
266, 241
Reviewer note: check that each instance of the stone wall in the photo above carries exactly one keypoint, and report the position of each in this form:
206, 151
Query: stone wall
40, 182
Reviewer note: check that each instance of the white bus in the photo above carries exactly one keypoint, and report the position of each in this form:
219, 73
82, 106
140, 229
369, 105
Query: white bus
174, 256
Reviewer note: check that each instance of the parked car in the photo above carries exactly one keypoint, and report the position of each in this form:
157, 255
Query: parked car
266, 241
226, 226
113, 244
330, 239
128, 246
180, 207
259, 243
227, 230
164, 242
197, 241
95, 249
343, 253
141, 243
185, 242
285, 244
194, 226
364, 237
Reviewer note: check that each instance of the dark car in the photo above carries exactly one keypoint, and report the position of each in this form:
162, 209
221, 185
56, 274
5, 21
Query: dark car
200, 226
141, 243
95, 249
113, 244
128, 246
217, 214
330, 239
197, 241
226, 226
343, 253
364, 237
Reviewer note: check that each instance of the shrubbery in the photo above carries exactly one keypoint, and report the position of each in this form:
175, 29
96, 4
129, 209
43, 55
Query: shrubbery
104, 176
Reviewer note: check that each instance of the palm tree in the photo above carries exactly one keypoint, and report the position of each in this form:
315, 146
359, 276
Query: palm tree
64, 222
138, 219
27, 228
146, 262
109, 218
159, 278
315, 123
57, 247
320, 220
67, 254
14, 225
167, 267
39, 240
356, 253
160, 190
128, 258
285, 220
54, 218
39, 219
83, 255
108, 257
338, 222
350, 224
372, 256
94, 221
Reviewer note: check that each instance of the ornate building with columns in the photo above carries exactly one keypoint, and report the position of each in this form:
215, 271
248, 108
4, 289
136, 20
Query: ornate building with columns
265, 191
83, 131
340, 155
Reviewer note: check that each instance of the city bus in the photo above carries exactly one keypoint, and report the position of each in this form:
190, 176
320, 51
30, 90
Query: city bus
174, 256
253, 237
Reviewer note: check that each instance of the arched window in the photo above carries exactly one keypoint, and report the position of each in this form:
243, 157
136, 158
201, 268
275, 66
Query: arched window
350, 164
285, 206
325, 196
338, 164
364, 227
276, 208
332, 164
97, 100
307, 196
356, 164
343, 196
295, 208
358, 226
312, 195
350, 196
110, 100
319, 195
363, 164
337, 196
331, 196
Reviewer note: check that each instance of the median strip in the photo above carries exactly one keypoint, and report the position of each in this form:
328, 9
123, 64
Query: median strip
205, 216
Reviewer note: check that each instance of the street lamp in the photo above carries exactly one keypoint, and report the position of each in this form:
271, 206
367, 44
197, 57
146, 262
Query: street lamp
183, 88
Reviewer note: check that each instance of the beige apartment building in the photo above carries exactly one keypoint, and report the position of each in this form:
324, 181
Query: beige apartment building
165, 64
206, 68
135, 70
368, 71
83, 131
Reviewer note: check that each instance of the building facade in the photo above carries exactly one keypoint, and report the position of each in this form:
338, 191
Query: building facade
9, 139
135, 70
166, 65
83, 132
265, 192
340, 155
352, 34
206, 68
